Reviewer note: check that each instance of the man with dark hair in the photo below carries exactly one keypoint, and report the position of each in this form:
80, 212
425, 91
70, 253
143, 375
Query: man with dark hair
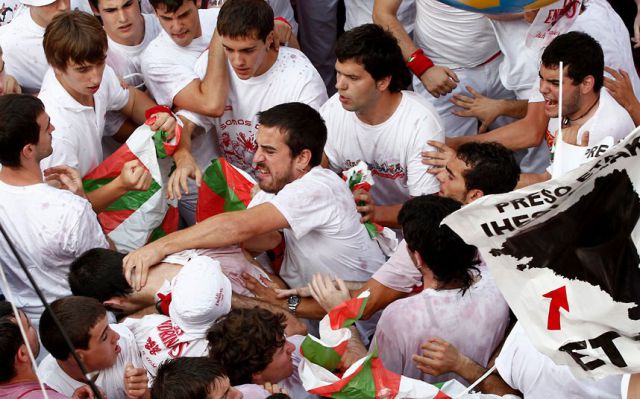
17, 377
261, 75
398, 277
109, 351
374, 120
206, 380
49, 227
591, 118
459, 302
77, 92
312, 206
251, 345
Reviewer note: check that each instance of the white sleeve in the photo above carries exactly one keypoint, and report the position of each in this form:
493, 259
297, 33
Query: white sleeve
86, 233
205, 122
399, 273
330, 147
65, 152
164, 77
419, 180
305, 205
117, 95
313, 92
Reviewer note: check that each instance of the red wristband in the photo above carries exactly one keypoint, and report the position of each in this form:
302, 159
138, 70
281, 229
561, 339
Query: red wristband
156, 109
283, 19
419, 63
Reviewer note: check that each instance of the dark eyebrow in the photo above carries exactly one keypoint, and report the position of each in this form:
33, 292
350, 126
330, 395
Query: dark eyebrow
268, 147
449, 171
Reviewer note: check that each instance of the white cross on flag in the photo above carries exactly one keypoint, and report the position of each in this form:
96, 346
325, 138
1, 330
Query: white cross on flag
564, 253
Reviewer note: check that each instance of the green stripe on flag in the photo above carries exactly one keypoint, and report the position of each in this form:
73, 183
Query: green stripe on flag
216, 180
361, 386
159, 137
132, 200
319, 354
94, 184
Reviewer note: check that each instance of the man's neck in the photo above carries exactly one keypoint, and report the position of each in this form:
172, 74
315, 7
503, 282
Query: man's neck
24, 375
588, 107
26, 175
269, 60
381, 110
37, 19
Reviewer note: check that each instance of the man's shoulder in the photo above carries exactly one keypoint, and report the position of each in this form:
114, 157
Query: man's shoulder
291, 59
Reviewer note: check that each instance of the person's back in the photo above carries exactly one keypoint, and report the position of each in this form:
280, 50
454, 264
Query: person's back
49, 227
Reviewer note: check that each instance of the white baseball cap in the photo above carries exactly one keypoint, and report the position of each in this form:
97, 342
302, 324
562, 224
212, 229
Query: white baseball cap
200, 294
37, 3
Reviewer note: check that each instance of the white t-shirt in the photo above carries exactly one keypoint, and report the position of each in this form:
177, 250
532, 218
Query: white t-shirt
452, 37
125, 61
111, 380
474, 323
519, 67
49, 228
168, 67
325, 234
79, 129
399, 273
390, 149
291, 78
602, 23
610, 122
159, 339
524, 368
23, 54
360, 12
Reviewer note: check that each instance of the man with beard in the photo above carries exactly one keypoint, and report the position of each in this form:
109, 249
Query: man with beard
312, 206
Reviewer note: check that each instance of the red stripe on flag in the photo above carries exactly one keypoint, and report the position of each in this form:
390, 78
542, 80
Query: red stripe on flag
347, 311
329, 390
109, 220
112, 166
384, 378
241, 186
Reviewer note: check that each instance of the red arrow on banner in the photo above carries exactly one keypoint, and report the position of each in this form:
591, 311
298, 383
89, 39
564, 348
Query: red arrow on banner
558, 300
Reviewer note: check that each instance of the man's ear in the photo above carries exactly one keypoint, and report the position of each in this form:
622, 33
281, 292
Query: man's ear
28, 151
383, 84
303, 160
256, 378
22, 356
473, 195
587, 84
113, 303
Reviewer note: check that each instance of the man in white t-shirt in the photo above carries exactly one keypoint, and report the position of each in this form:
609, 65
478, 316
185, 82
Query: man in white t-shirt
49, 227
600, 21
460, 301
128, 33
108, 351
442, 58
252, 346
585, 107
21, 42
77, 92
260, 76
98, 273
200, 295
312, 206
477, 169
371, 119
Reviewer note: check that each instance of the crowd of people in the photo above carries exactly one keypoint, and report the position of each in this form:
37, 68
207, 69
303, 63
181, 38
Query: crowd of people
444, 106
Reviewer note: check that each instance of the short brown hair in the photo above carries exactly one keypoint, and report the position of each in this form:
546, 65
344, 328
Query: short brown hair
77, 315
245, 340
74, 36
245, 18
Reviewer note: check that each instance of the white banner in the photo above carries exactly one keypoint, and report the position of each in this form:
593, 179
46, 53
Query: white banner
564, 253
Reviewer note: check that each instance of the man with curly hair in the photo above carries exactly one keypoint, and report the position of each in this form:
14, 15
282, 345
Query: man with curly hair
253, 349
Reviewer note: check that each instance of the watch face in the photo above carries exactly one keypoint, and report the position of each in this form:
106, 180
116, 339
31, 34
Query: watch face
294, 300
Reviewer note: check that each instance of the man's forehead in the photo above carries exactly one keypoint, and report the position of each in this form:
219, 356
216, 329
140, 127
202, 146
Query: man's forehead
552, 71
184, 7
99, 328
112, 3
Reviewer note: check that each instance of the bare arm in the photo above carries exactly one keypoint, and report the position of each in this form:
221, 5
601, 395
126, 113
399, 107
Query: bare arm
521, 134
133, 177
217, 231
294, 326
207, 96
527, 179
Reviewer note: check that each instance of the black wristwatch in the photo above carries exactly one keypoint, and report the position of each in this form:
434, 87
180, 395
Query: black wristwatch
292, 303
